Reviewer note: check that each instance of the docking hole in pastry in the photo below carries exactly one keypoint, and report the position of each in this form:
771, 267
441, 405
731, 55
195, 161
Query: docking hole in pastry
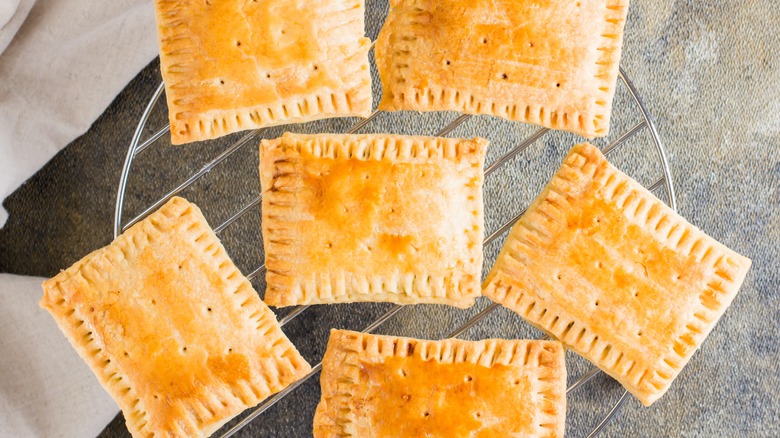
232, 65
383, 386
551, 63
600, 263
171, 328
350, 218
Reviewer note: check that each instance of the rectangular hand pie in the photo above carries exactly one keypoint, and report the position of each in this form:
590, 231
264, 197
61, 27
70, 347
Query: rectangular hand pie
171, 328
600, 263
552, 63
351, 218
382, 386
232, 65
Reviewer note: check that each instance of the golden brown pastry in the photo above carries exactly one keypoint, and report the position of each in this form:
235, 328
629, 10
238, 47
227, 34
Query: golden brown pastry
231, 65
171, 328
552, 63
600, 263
383, 386
351, 218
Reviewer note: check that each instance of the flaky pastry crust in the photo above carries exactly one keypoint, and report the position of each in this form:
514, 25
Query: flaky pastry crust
382, 386
551, 63
232, 65
171, 328
350, 218
600, 263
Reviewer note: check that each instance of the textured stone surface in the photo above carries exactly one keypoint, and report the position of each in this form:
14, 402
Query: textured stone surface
709, 74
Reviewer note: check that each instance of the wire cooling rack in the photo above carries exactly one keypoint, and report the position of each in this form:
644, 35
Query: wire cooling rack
137, 146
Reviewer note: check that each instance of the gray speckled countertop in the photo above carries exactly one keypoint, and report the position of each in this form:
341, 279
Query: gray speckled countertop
709, 73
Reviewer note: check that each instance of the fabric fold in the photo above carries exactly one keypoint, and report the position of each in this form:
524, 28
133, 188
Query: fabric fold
61, 70
45, 388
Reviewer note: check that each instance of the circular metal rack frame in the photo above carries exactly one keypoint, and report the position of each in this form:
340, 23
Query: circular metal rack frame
137, 146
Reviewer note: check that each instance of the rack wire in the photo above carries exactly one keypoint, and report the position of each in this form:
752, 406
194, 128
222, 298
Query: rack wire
137, 147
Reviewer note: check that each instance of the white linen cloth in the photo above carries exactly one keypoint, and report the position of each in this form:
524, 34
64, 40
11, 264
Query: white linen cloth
63, 65
62, 62
12, 15
46, 390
